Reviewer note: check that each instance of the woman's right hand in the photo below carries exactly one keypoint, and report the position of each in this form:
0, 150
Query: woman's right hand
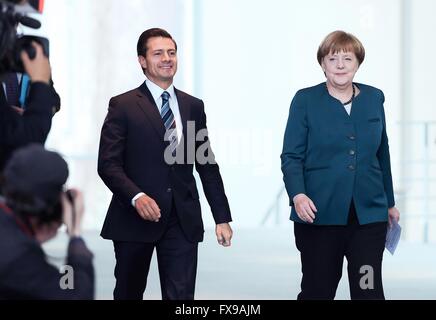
305, 208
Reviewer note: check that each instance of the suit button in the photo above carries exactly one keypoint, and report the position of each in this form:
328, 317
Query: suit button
169, 190
352, 137
351, 167
352, 152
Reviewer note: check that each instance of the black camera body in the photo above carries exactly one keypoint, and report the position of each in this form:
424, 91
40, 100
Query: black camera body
12, 44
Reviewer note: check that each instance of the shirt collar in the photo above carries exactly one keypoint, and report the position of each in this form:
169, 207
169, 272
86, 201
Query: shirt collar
157, 91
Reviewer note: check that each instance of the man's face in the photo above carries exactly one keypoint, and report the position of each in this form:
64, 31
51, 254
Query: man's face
160, 62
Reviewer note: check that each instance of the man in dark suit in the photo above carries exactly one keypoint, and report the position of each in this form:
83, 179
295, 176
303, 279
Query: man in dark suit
148, 149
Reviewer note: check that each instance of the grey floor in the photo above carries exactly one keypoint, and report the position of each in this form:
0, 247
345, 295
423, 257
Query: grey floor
263, 264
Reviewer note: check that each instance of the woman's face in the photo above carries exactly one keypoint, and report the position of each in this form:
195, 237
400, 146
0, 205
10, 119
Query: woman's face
340, 68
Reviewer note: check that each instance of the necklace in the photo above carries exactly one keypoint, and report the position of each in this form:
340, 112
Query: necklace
352, 97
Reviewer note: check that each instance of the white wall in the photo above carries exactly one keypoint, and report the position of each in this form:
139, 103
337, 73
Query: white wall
419, 152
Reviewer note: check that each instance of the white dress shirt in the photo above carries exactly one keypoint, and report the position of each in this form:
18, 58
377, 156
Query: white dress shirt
156, 92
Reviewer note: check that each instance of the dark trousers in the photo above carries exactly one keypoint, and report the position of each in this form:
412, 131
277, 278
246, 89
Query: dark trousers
177, 263
323, 249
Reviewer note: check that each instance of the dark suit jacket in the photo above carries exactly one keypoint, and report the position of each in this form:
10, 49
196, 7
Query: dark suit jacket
131, 160
33, 127
333, 157
26, 274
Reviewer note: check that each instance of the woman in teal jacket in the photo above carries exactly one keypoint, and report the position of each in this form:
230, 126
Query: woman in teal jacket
337, 173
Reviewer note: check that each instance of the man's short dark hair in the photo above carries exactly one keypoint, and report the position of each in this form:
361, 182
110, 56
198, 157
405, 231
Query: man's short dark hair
151, 33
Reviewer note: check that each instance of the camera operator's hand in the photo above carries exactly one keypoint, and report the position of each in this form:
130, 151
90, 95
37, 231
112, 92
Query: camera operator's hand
38, 69
76, 229
18, 110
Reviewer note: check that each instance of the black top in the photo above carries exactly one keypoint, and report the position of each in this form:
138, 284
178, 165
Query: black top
33, 126
26, 274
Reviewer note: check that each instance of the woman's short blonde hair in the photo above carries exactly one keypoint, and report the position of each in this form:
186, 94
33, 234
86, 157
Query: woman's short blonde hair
338, 41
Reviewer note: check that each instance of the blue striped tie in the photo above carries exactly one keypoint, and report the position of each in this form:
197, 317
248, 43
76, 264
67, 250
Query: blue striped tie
169, 121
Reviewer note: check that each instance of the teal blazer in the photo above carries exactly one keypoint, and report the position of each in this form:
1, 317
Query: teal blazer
333, 157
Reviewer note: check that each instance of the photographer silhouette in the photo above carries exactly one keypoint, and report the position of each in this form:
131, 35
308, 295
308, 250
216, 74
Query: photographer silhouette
33, 209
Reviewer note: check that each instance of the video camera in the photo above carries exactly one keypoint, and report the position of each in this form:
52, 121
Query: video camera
12, 44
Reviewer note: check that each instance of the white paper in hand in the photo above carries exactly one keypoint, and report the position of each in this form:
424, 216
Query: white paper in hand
393, 236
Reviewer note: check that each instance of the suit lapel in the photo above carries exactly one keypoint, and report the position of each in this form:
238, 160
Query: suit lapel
185, 110
148, 105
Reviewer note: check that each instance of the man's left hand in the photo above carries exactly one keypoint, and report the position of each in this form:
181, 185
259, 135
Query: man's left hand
224, 234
